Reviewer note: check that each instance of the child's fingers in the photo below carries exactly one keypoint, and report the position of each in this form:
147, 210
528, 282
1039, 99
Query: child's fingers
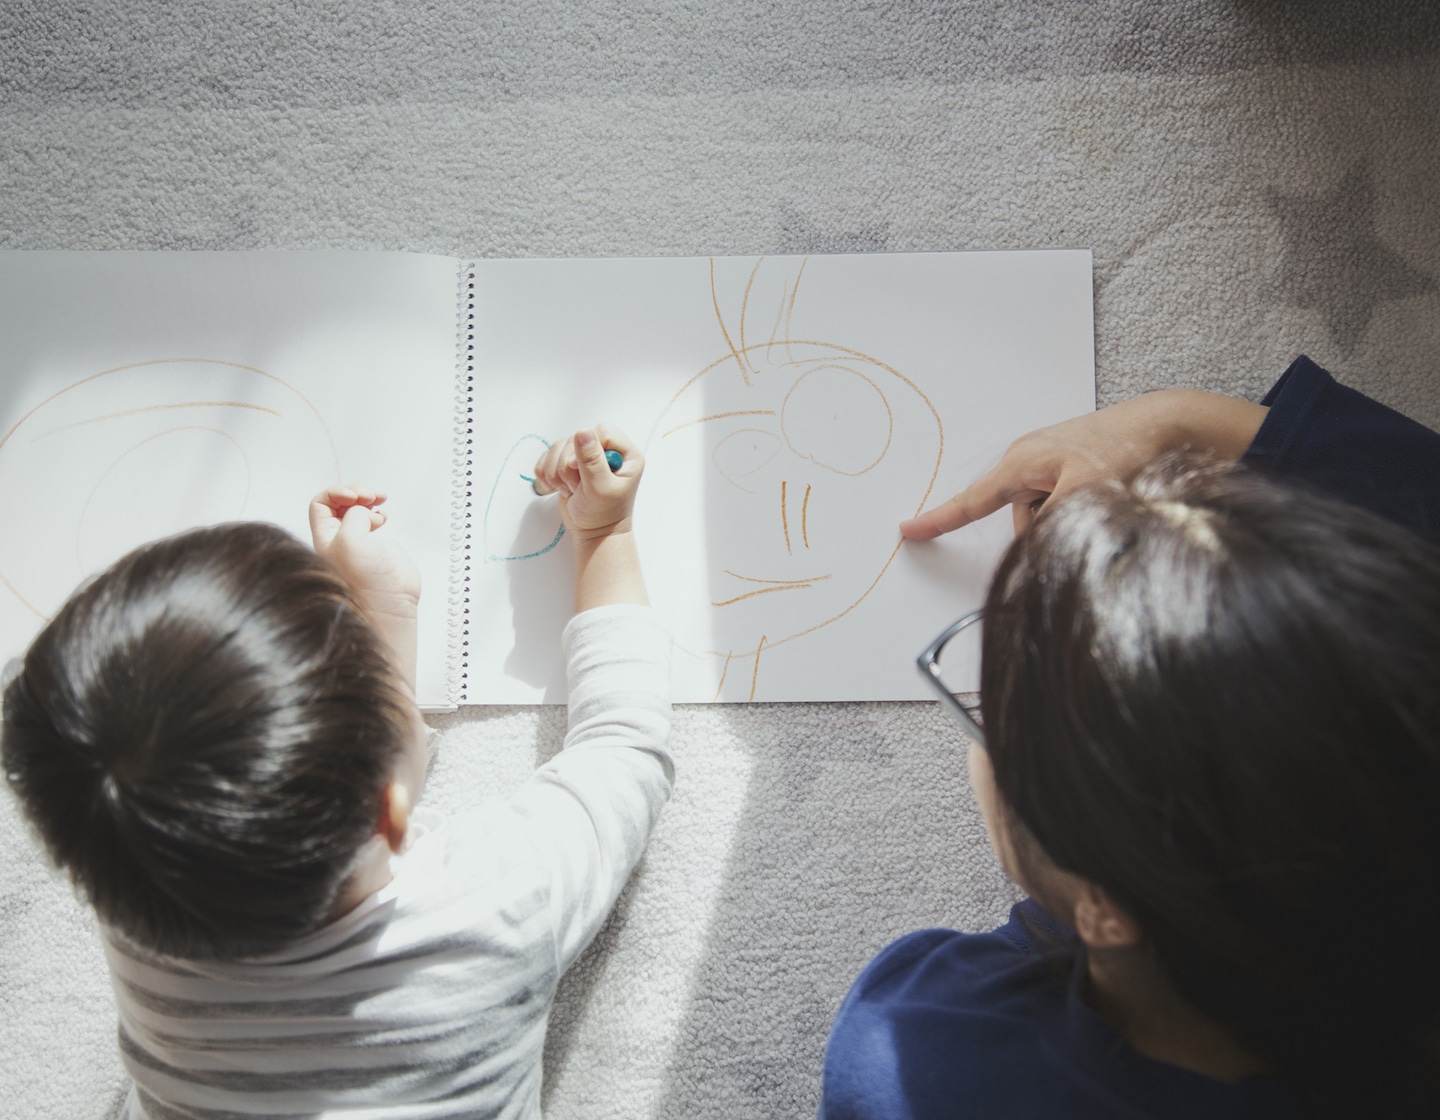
560, 456
548, 468
567, 468
358, 522
613, 439
324, 517
373, 519
339, 498
542, 477
364, 495
546, 465
568, 475
329, 507
600, 478
567, 465
590, 462
602, 498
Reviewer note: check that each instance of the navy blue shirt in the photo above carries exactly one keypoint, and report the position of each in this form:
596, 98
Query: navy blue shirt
947, 1024
1330, 438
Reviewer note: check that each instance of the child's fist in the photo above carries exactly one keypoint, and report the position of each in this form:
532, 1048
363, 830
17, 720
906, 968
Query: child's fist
595, 500
344, 521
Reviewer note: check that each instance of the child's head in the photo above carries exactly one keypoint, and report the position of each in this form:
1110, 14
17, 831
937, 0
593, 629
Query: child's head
1218, 700
202, 737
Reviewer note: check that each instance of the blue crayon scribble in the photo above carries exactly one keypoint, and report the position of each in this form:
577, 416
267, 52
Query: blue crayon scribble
493, 557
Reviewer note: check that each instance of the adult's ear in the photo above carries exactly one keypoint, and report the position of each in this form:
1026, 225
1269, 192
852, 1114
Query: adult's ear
394, 814
1100, 922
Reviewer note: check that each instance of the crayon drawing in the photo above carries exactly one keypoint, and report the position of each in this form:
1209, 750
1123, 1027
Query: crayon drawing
515, 526
144, 450
776, 472
790, 408
807, 448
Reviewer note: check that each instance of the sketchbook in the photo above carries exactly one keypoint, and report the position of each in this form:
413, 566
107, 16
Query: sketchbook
792, 410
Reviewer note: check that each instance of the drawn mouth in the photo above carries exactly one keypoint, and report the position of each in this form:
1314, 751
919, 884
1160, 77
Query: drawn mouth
769, 585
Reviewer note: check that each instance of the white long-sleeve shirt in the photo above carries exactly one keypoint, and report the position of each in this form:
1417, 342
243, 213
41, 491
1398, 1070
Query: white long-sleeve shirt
429, 999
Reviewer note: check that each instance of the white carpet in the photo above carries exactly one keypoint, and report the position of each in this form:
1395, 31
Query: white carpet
1257, 178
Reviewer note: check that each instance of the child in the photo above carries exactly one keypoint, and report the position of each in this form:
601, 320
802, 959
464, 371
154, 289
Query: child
1210, 752
217, 739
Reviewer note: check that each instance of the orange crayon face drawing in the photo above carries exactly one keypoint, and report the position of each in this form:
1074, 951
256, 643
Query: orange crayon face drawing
809, 453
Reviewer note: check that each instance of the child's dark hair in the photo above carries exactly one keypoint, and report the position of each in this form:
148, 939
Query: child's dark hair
1219, 699
201, 738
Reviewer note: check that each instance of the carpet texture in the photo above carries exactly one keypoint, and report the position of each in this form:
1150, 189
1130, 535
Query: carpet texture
1257, 179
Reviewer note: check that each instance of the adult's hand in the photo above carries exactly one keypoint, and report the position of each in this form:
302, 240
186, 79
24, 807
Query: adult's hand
1111, 443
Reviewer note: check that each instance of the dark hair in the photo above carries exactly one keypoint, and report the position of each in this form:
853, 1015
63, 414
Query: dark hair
1218, 699
201, 738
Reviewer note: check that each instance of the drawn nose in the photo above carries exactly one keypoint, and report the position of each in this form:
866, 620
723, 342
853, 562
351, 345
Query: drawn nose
795, 514
740, 456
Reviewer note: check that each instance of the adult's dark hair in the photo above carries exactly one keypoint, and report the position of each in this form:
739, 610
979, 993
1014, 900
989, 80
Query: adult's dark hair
201, 737
1218, 699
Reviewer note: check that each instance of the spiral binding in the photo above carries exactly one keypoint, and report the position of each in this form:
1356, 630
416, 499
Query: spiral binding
457, 683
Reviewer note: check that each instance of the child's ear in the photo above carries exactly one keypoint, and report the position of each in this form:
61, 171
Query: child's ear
1100, 922
394, 814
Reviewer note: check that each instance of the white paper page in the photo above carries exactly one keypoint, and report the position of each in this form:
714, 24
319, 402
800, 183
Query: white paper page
146, 393
792, 411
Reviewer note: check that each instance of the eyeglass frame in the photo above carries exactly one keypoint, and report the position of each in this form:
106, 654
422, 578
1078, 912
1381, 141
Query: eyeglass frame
929, 665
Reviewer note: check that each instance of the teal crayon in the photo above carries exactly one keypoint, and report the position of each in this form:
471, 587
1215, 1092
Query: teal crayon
613, 457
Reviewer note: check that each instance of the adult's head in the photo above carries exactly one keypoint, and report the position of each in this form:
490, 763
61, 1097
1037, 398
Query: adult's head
201, 737
1218, 700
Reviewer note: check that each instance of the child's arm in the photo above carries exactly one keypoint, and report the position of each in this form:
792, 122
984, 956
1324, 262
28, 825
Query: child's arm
344, 522
596, 505
592, 807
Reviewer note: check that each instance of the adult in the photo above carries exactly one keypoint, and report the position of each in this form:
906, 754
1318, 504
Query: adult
1211, 755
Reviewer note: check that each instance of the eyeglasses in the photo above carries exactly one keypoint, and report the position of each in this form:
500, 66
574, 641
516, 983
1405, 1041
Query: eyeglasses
952, 660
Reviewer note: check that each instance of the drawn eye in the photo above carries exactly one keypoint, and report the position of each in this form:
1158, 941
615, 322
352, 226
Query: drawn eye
740, 454
838, 419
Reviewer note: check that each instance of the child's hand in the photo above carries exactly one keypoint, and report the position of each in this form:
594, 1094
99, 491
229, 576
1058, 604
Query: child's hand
344, 522
596, 505
594, 501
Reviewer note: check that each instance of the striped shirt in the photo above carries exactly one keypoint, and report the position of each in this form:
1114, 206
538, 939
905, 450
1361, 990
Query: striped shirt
429, 999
